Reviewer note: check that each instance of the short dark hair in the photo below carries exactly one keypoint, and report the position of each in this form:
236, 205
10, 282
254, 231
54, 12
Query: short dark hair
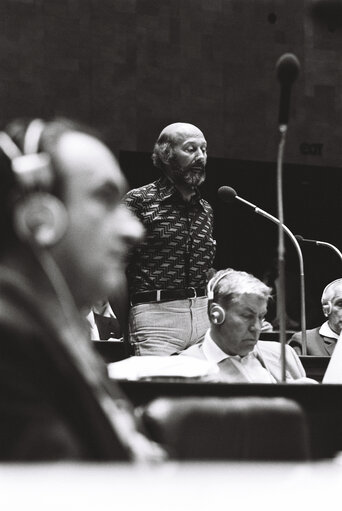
9, 187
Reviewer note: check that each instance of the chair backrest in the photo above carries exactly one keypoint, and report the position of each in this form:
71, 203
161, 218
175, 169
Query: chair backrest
246, 428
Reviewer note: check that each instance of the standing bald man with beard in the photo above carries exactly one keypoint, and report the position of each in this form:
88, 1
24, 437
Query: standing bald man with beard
167, 275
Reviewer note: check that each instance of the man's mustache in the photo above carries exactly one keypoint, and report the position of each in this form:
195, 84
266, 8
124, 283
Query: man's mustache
198, 165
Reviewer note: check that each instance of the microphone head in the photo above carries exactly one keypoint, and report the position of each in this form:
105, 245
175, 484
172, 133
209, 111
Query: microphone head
226, 193
299, 237
287, 67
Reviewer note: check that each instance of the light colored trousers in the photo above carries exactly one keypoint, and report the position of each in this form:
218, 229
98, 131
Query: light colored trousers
163, 328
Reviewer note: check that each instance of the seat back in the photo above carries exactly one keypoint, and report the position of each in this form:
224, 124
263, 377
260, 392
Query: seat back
246, 428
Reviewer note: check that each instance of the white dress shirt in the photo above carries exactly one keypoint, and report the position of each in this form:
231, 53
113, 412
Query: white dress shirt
250, 367
94, 331
326, 331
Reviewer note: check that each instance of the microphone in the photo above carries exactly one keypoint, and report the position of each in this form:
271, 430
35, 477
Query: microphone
300, 239
228, 194
287, 69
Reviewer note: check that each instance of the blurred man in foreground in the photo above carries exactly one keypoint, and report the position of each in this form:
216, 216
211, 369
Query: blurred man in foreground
64, 242
237, 307
321, 341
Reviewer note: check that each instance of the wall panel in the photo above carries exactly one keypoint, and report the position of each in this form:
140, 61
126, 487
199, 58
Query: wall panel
132, 66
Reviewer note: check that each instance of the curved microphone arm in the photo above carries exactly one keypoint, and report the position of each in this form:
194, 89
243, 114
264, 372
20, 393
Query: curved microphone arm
318, 243
329, 245
301, 265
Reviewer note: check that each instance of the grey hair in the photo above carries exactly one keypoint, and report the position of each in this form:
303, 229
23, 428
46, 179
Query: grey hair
227, 285
162, 153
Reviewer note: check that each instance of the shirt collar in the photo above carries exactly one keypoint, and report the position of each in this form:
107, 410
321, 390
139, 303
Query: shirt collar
214, 354
326, 331
167, 189
91, 318
103, 309
93, 330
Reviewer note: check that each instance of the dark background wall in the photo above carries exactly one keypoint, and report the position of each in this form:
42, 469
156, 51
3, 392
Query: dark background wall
130, 67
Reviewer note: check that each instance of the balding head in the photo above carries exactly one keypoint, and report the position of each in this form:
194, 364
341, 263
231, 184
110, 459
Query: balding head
181, 153
331, 290
332, 305
177, 131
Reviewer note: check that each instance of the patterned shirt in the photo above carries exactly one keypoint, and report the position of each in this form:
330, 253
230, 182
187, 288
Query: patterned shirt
178, 248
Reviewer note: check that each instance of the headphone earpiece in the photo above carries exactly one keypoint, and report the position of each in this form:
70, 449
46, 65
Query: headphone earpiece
327, 309
327, 293
40, 218
217, 314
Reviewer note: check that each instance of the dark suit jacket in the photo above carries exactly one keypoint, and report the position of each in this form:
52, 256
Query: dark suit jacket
317, 344
107, 327
49, 406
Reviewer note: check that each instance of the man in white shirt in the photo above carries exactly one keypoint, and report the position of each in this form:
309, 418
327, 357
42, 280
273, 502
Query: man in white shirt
237, 307
321, 341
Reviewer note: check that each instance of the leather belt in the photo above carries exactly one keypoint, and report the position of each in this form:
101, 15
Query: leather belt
166, 295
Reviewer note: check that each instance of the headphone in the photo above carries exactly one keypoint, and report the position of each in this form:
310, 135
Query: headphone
38, 216
216, 312
327, 306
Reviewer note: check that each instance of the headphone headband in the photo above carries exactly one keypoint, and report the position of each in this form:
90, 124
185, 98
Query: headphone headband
32, 136
329, 285
213, 282
31, 169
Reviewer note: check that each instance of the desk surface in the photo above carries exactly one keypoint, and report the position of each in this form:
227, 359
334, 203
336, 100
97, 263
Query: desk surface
172, 486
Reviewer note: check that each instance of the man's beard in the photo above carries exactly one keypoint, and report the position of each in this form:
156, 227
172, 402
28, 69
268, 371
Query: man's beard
193, 175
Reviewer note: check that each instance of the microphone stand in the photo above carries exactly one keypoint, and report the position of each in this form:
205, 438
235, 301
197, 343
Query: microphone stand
275, 220
281, 297
281, 261
329, 245
287, 71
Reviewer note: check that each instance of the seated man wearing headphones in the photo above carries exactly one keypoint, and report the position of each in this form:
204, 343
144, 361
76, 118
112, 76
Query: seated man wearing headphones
236, 309
321, 341
64, 238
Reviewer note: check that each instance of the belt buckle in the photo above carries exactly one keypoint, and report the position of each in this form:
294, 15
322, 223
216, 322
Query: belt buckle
194, 291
